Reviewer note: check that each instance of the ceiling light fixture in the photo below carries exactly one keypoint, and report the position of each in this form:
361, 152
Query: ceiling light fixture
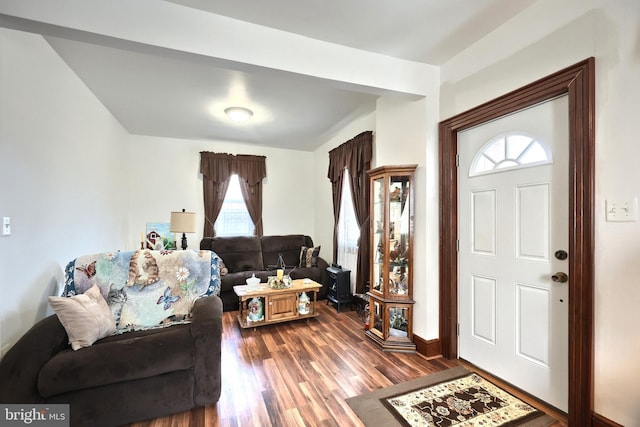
238, 114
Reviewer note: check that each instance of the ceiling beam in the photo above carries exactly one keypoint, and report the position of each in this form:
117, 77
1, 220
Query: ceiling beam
166, 25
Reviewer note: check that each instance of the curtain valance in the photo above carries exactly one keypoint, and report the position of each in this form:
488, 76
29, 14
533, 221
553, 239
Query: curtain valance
354, 155
218, 167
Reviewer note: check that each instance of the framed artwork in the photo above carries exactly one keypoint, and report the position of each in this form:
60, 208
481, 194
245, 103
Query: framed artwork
159, 237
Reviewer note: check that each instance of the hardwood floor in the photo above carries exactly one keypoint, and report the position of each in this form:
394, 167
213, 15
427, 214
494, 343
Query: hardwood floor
299, 373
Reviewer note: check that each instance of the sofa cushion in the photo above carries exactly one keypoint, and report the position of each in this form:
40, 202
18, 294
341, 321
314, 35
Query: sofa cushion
240, 253
288, 246
125, 357
85, 317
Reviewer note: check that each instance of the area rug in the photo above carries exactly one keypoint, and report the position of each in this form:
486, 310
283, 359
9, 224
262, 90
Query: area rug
454, 397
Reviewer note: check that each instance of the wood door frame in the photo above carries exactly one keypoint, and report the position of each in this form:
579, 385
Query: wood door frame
578, 82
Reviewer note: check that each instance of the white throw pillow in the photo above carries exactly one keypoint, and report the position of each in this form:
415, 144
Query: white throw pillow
86, 317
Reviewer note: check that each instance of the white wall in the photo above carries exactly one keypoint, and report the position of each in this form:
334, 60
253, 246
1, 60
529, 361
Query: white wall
404, 137
60, 174
165, 176
545, 38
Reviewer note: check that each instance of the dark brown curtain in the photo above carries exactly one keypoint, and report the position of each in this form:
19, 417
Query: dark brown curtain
354, 155
216, 168
251, 170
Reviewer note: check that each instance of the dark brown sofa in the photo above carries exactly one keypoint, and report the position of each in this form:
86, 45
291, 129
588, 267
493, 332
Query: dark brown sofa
121, 378
244, 256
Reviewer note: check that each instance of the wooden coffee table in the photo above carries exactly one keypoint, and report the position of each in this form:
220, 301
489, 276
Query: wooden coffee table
279, 305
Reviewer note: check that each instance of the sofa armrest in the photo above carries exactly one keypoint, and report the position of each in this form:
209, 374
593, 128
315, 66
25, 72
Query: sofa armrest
20, 367
206, 331
323, 265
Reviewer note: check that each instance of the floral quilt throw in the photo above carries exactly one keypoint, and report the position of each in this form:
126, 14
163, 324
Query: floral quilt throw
145, 288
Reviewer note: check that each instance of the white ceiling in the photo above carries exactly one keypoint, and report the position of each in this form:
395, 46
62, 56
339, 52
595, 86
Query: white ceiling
429, 31
180, 94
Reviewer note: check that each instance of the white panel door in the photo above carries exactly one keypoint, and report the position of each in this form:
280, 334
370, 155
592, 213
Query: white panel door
513, 218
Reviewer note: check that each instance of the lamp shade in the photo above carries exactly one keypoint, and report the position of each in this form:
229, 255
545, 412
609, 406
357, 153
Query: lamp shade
183, 222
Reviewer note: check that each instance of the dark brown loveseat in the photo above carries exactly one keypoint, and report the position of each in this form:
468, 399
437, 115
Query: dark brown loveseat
155, 363
244, 256
121, 378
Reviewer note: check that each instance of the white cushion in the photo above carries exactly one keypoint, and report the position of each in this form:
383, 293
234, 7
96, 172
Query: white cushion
86, 317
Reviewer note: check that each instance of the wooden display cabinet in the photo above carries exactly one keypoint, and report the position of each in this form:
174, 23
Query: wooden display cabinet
391, 276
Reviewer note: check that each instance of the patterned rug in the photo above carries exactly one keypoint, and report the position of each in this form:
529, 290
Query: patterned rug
467, 401
455, 397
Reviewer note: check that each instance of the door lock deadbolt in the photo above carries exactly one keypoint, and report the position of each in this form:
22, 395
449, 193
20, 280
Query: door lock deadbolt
561, 255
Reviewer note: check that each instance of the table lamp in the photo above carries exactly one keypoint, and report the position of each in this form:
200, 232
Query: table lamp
183, 222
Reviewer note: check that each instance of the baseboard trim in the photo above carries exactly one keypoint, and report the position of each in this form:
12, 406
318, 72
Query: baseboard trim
600, 421
428, 348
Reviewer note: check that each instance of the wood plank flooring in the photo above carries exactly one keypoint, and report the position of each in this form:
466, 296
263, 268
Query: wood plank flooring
299, 373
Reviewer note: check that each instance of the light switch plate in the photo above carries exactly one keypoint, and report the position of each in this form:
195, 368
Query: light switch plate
6, 226
622, 210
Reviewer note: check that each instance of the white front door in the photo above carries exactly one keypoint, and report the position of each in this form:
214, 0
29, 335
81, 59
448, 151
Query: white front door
513, 230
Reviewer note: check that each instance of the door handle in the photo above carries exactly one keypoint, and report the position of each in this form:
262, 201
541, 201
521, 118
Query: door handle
560, 277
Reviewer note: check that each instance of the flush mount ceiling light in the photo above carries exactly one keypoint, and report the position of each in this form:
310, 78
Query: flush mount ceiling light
238, 114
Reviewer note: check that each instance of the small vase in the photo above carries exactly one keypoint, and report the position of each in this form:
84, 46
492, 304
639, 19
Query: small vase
303, 303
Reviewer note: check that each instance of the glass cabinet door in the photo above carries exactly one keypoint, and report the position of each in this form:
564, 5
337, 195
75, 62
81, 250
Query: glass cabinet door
399, 236
378, 242
375, 322
399, 322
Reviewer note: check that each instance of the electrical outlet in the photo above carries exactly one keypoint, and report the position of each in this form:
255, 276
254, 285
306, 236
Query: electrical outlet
622, 210
6, 226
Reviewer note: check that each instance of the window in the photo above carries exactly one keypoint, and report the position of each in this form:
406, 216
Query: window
234, 219
514, 150
348, 232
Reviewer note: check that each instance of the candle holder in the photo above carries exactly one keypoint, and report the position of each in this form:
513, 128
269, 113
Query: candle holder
280, 280
275, 283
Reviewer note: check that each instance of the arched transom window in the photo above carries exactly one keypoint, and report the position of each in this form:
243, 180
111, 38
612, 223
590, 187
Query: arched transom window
510, 151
